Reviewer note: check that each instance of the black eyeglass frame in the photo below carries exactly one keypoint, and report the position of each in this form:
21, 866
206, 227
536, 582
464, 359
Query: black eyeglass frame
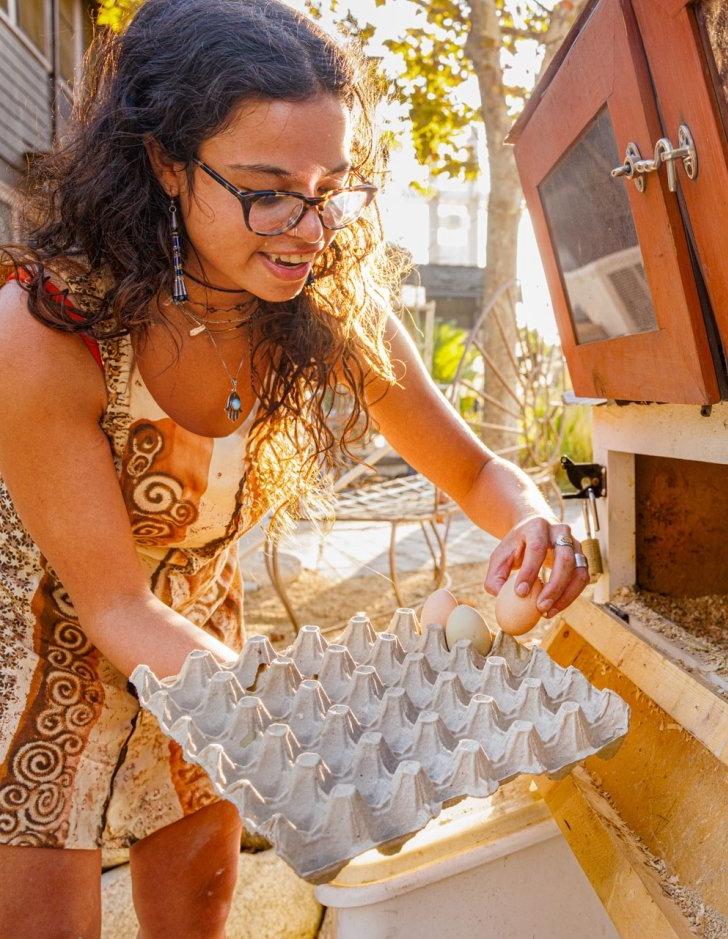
247, 198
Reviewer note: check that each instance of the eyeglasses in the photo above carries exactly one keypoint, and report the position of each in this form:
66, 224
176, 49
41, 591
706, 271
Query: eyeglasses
275, 211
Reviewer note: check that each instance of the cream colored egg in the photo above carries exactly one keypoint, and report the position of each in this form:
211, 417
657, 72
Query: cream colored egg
466, 623
437, 607
514, 614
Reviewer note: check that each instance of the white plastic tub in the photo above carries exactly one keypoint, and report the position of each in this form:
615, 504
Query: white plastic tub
485, 869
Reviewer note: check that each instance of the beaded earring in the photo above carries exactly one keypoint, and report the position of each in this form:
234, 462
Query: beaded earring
179, 291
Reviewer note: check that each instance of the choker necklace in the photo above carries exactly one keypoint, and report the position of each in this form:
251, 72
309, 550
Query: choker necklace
204, 283
206, 309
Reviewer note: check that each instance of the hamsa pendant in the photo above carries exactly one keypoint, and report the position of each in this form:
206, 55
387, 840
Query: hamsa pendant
232, 408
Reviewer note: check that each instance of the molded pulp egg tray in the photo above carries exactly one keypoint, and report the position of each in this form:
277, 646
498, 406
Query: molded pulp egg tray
331, 749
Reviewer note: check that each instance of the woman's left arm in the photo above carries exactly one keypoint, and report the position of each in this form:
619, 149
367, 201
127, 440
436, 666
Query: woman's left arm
494, 493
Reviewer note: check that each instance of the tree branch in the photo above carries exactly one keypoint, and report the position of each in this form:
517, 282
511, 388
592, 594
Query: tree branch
562, 19
536, 34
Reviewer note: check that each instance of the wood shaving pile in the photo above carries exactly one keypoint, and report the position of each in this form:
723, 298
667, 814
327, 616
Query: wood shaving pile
703, 919
698, 625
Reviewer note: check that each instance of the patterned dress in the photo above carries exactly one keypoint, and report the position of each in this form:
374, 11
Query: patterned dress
80, 764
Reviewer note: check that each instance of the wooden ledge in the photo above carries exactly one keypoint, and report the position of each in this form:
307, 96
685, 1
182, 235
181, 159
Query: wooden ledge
687, 698
612, 859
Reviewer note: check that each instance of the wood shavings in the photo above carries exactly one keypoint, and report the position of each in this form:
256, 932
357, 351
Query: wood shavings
698, 625
703, 919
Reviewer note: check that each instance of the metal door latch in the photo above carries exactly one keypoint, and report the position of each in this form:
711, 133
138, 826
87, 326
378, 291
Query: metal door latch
632, 158
590, 482
634, 167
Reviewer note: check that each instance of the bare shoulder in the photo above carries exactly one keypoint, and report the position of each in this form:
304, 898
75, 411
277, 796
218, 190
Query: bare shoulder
56, 460
41, 367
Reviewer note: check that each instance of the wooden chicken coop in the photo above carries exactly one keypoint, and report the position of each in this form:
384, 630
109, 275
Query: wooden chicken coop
623, 155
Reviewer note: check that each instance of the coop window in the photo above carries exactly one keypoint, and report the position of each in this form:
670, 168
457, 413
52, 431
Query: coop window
631, 287
712, 17
595, 238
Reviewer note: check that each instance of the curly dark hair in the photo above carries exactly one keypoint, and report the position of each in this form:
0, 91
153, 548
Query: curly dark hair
178, 72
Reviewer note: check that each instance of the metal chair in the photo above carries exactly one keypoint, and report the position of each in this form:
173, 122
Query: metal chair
414, 499
403, 500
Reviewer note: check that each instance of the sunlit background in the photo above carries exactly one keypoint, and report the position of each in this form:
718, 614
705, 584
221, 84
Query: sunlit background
449, 229
459, 235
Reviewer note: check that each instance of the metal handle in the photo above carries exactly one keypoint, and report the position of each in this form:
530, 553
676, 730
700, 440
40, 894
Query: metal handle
624, 170
628, 169
636, 169
684, 152
646, 166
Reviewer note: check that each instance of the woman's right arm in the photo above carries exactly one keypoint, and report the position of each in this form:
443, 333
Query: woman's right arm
58, 467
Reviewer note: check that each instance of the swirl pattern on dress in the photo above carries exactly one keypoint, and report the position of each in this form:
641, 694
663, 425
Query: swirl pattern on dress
78, 767
158, 510
42, 758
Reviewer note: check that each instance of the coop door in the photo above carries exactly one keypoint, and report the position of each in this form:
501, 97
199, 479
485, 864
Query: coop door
687, 50
609, 231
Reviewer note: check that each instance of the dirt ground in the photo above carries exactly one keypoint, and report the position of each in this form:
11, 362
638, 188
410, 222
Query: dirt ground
322, 602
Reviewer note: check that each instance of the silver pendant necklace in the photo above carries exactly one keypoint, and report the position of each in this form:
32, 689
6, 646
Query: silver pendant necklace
233, 403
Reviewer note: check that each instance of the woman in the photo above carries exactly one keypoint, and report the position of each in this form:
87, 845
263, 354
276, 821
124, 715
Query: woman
220, 314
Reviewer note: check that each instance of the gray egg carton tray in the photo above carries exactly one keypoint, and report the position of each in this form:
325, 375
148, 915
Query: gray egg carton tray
331, 749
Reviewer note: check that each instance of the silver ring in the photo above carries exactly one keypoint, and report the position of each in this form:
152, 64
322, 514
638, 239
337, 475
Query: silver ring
581, 561
563, 541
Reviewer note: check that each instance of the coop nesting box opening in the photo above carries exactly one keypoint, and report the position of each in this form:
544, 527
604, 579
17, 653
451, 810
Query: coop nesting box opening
679, 592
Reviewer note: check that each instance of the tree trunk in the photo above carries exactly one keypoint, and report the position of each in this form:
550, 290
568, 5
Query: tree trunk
504, 214
505, 199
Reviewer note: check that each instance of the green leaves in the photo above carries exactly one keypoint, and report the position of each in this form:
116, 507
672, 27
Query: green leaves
437, 63
435, 67
449, 346
116, 13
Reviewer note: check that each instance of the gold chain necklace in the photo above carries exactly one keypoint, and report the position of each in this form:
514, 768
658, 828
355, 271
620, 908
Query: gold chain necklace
201, 325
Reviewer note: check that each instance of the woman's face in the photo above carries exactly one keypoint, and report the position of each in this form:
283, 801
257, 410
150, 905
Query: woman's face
298, 146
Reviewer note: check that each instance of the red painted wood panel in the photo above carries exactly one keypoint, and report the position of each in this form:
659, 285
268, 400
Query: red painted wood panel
606, 67
686, 95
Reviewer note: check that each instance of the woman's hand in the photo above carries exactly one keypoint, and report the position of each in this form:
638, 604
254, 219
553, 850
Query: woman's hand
494, 493
530, 545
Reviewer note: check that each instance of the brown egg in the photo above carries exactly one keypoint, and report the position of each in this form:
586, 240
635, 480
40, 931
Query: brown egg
437, 607
466, 623
516, 615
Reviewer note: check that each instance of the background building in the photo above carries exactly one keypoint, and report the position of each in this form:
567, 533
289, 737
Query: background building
41, 45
